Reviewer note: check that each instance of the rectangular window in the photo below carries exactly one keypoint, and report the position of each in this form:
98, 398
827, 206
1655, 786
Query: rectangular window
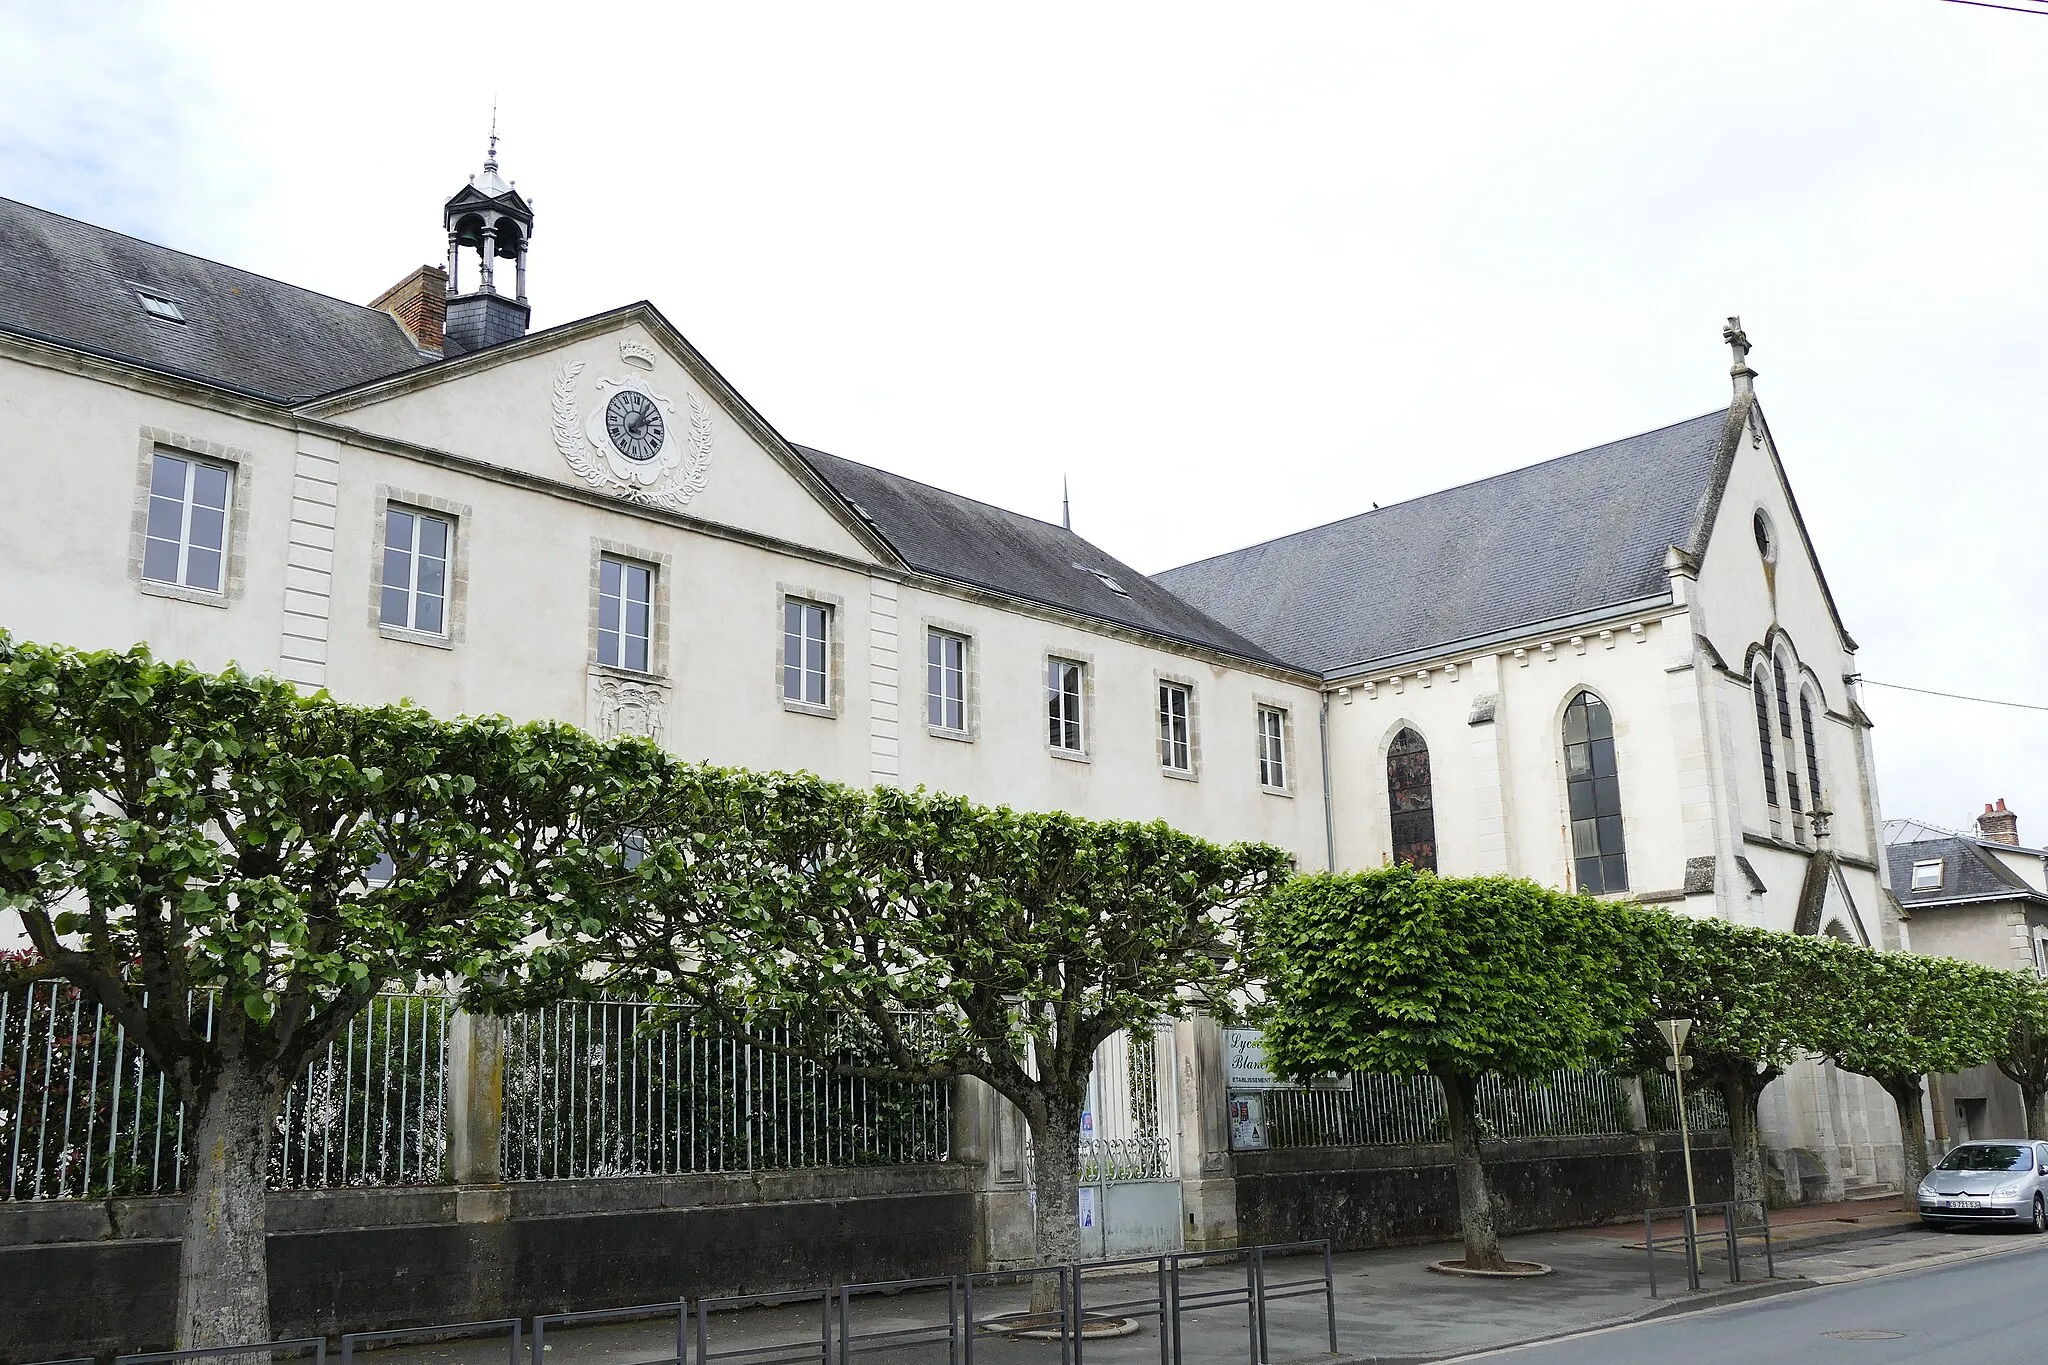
803, 652
415, 571
185, 538
1174, 753
945, 686
1063, 704
1272, 747
1927, 875
625, 614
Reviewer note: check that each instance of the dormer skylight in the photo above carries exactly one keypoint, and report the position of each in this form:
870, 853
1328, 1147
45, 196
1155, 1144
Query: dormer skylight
1927, 875
159, 306
1105, 579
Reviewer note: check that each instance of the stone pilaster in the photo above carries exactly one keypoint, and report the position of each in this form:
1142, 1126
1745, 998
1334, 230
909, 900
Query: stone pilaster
1208, 1181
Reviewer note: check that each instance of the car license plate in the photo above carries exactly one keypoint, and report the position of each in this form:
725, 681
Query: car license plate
1962, 1203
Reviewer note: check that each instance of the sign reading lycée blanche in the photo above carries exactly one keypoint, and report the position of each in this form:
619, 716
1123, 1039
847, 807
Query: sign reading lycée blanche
1244, 1065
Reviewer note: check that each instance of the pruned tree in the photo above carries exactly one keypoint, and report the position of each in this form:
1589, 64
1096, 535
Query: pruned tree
1896, 1017
913, 937
2023, 1054
187, 847
1396, 970
1752, 995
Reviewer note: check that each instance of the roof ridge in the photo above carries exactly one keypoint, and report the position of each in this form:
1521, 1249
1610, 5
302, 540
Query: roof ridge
190, 255
1442, 492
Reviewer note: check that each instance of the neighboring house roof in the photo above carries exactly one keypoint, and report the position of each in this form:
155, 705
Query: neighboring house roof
971, 542
1970, 873
1555, 540
74, 284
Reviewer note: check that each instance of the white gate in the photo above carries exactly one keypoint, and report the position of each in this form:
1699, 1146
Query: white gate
1130, 1180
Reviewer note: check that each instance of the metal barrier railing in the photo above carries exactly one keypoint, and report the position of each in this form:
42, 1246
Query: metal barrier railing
1733, 1233
1174, 1288
638, 1313
317, 1345
355, 1341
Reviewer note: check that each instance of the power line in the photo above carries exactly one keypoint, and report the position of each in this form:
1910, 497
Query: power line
1955, 696
2039, 7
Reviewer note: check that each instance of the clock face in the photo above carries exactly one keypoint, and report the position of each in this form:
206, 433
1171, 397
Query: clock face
634, 424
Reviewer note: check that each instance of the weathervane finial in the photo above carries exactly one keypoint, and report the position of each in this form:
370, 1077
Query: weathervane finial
491, 157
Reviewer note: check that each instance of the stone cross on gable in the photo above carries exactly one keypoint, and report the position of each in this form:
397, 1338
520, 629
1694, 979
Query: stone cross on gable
1738, 342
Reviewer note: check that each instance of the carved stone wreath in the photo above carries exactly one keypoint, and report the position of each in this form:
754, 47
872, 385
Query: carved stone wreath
669, 481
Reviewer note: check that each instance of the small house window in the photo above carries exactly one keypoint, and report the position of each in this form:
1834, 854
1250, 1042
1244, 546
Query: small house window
1927, 875
158, 306
803, 652
946, 680
1175, 753
625, 614
1273, 748
415, 593
185, 536
1063, 705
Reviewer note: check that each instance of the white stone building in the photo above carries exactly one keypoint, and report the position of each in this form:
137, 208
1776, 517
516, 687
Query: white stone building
1563, 668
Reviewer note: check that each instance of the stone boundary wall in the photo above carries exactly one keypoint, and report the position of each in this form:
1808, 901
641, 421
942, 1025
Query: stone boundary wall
1363, 1197
84, 1278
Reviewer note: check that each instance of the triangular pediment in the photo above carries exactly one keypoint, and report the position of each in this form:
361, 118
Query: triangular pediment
618, 405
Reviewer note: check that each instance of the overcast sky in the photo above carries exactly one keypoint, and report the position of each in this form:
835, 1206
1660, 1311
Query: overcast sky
1233, 270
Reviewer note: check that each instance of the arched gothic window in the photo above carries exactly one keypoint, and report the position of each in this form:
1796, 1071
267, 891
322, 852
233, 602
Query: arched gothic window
1812, 749
1411, 798
1760, 684
1599, 857
1784, 671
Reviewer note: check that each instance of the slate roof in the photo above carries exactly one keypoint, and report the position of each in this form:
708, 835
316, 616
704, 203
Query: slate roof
1568, 536
1969, 872
971, 542
74, 284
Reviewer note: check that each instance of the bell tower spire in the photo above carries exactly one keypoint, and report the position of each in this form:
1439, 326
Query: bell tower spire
487, 216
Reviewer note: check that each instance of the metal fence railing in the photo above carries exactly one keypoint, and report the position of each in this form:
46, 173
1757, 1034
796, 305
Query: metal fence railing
85, 1115
622, 1088
1383, 1110
1706, 1109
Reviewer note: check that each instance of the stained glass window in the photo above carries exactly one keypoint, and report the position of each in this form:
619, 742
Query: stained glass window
1412, 801
1599, 856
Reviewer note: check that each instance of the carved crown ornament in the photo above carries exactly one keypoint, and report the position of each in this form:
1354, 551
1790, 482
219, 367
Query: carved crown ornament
622, 435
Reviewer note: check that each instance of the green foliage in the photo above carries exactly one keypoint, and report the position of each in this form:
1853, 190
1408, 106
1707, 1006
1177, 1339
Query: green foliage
1897, 1016
1402, 971
1756, 997
165, 831
2023, 1053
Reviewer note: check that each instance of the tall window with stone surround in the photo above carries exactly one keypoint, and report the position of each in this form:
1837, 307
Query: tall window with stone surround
1593, 784
1766, 746
1411, 798
1812, 748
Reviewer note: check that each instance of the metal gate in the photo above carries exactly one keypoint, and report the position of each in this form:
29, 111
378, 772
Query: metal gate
1130, 1180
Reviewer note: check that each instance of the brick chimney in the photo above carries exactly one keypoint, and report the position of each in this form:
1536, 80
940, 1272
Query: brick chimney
420, 303
1997, 824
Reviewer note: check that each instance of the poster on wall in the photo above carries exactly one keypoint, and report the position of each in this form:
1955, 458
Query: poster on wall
1247, 1123
1087, 1207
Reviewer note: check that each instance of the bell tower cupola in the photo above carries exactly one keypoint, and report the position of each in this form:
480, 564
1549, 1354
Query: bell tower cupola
487, 216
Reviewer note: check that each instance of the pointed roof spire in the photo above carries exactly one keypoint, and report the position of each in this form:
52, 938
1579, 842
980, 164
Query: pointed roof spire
491, 156
1066, 507
1738, 342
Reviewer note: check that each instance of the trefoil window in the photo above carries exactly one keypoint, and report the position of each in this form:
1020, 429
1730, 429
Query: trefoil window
804, 626
185, 536
1175, 753
946, 680
625, 614
1593, 786
415, 571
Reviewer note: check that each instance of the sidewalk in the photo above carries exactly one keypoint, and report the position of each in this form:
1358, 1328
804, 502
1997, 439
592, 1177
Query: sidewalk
1802, 1225
1390, 1309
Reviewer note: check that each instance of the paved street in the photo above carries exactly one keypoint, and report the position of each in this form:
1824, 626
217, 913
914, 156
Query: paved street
1984, 1312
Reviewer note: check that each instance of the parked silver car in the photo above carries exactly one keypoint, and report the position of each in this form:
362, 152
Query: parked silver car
1988, 1182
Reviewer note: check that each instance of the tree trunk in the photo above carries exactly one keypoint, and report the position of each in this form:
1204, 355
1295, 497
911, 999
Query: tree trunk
1906, 1093
223, 1280
1056, 1173
1740, 1093
2037, 1112
1475, 1200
